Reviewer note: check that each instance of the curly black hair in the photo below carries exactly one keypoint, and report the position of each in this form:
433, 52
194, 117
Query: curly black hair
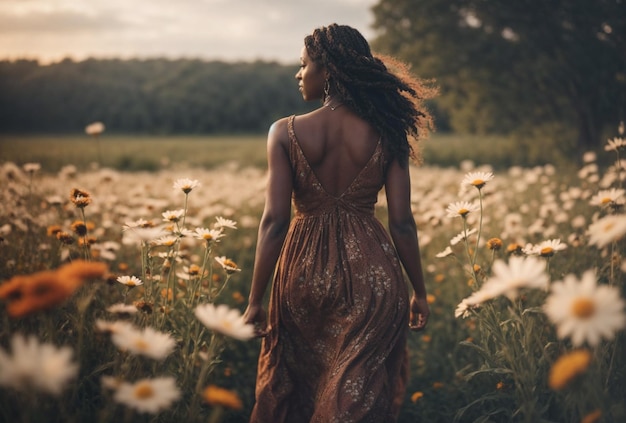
378, 88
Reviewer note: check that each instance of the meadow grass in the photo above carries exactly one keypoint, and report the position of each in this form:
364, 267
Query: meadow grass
494, 364
150, 153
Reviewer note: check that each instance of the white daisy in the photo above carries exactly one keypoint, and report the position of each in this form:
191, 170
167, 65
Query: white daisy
225, 223
585, 311
31, 167
209, 235
519, 272
35, 365
147, 342
227, 264
546, 248
464, 308
105, 326
608, 197
445, 253
148, 395
94, 129
477, 179
173, 215
166, 241
129, 281
186, 185
607, 229
463, 236
461, 208
224, 320
615, 144
121, 308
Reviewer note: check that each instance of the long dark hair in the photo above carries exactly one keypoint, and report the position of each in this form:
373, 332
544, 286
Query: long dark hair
378, 88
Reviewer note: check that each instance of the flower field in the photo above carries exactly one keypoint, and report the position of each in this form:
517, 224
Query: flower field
121, 293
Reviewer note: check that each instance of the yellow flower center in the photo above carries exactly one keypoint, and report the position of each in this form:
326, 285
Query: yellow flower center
141, 345
208, 237
583, 308
478, 182
605, 200
608, 226
463, 212
144, 390
227, 324
547, 251
230, 263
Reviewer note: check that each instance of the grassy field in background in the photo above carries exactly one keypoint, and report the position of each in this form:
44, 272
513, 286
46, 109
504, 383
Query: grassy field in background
143, 152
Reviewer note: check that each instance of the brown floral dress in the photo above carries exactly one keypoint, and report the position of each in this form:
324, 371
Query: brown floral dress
336, 352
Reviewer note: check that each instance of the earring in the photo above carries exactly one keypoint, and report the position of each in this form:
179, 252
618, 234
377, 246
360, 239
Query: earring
326, 89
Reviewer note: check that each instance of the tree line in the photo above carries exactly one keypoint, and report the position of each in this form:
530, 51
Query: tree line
146, 96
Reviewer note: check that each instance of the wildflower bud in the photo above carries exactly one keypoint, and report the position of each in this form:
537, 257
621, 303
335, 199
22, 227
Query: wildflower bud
65, 238
79, 228
514, 249
494, 244
53, 230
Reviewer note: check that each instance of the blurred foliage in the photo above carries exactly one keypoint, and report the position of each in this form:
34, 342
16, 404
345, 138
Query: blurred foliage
538, 69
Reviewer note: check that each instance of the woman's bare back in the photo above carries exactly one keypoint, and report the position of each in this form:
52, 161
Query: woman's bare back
337, 144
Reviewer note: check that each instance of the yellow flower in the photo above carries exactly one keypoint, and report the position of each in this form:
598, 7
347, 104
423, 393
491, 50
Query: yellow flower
430, 298
216, 396
567, 367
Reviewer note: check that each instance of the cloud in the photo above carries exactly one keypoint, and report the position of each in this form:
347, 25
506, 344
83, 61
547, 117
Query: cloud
210, 29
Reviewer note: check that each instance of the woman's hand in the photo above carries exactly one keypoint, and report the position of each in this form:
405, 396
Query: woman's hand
256, 315
418, 314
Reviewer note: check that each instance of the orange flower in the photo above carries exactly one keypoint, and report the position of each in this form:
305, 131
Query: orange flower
216, 396
26, 294
514, 248
592, 417
64, 237
83, 269
79, 228
416, 396
568, 367
494, 244
52, 230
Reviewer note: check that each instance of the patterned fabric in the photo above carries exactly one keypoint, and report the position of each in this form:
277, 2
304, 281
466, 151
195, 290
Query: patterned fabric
338, 312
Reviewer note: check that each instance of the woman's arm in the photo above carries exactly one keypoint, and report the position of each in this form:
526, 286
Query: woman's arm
274, 222
404, 234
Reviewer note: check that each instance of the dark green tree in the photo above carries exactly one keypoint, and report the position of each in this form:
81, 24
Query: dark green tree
548, 68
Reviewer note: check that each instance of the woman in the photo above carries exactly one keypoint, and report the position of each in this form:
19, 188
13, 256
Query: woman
334, 347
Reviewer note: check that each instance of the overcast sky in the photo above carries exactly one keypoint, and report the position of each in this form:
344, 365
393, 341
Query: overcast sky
50, 30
